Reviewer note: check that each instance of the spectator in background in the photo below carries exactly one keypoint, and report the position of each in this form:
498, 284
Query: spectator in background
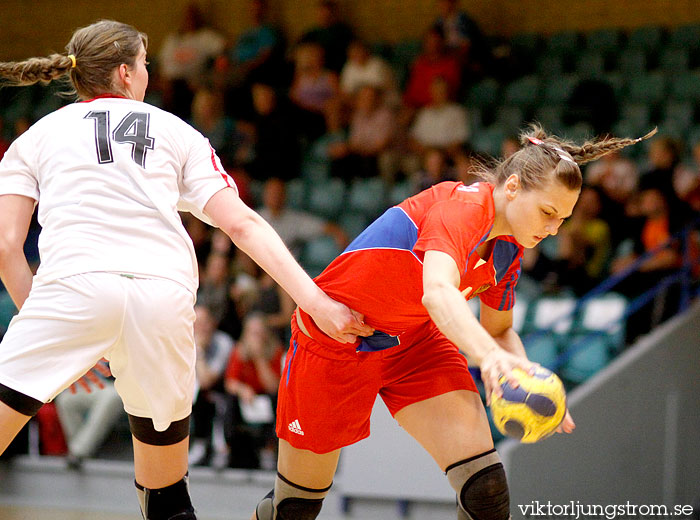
183, 60
656, 230
664, 158
251, 380
293, 226
213, 352
440, 124
232, 141
313, 91
260, 48
433, 62
371, 131
462, 35
331, 33
434, 170
214, 286
584, 244
364, 69
686, 181
87, 418
277, 151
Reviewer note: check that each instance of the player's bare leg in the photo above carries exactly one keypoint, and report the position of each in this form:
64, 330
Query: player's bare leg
454, 429
159, 466
11, 422
301, 469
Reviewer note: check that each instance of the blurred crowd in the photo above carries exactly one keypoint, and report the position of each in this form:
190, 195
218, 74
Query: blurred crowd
266, 103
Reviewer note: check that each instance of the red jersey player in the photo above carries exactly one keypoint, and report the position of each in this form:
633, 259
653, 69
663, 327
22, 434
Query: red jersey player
410, 274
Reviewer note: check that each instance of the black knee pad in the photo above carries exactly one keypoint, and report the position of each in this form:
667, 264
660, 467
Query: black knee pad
142, 428
19, 402
482, 490
169, 503
289, 501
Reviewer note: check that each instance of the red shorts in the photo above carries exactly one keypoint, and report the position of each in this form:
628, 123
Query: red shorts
326, 394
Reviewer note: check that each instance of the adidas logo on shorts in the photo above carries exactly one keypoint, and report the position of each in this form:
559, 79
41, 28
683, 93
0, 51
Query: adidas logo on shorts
295, 427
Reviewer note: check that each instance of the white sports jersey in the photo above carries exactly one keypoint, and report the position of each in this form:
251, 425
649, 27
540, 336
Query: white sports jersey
83, 164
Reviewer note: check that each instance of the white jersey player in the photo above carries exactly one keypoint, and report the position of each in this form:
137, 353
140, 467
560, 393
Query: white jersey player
118, 275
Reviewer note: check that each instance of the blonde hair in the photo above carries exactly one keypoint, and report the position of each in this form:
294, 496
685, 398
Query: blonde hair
544, 157
97, 49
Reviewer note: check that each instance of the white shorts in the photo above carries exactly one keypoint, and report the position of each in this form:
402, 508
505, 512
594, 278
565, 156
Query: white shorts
143, 326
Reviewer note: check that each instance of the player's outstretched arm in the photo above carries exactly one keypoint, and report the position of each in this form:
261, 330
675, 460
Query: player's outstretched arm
452, 316
16, 211
257, 239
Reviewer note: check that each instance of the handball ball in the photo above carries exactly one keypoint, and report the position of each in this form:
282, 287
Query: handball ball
533, 410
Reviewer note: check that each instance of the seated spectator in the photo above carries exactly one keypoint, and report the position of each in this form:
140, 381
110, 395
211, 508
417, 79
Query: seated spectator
462, 35
655, 232
433, 62
293, 226
371, 131
434, 170
87, 418
213, 352
440, 124
331, 33
232, 141
277, 151
314, 90
467, 165
251, 380
363, 69
259, 49
592, 101
686, 181
214, 285
584, 245
664, 158
183, 60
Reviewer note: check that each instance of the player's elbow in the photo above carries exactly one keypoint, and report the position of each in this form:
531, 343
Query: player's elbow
434, 296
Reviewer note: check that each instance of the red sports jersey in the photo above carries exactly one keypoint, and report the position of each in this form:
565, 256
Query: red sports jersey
380, 274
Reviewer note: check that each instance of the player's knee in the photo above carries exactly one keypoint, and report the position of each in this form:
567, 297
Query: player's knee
142, 428
482, 490
290, 501
169, 503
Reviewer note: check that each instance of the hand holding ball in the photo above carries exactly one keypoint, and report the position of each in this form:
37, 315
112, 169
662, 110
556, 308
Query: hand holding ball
534, 409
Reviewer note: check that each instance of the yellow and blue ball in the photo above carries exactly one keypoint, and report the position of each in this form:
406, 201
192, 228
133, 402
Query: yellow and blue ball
534, 409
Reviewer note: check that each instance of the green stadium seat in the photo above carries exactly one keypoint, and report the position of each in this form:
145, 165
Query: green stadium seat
353, 223
557, 90
648, 39
565, 43
542, 349
7, 311
551, 117
650, 88
617, 81
638, 114
605, 41
587, 360
590, 64
400, 191
605, 314
327, 198
484, 94
674, 61
686, 87
632, 62
510, 119
368, 197
296, 193
488, 140
318, 253
523, 92
549, 65
679, 113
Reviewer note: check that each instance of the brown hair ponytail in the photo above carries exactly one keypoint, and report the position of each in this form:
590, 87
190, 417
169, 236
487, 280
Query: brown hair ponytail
97, 50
